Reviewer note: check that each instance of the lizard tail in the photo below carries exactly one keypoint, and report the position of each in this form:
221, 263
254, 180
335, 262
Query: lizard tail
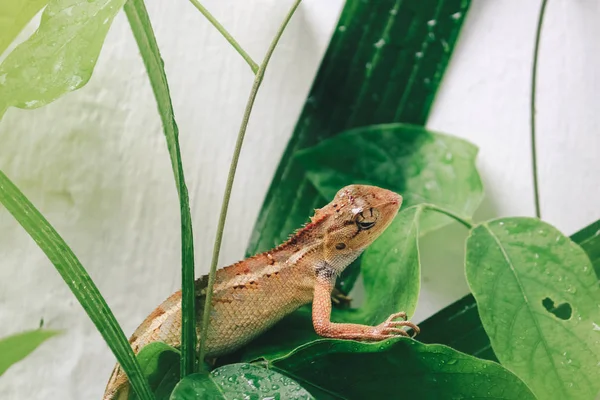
118, 385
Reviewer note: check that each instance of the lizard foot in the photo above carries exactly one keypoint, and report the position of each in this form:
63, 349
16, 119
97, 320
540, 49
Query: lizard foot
391, 327
340, 299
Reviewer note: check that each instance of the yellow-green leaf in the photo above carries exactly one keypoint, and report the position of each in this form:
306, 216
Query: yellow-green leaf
60, 56
14, 15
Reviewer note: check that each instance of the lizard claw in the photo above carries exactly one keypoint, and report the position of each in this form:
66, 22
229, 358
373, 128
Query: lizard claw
339, 298
391, 327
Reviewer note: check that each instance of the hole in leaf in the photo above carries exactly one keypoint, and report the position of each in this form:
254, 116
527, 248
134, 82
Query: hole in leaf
562, 311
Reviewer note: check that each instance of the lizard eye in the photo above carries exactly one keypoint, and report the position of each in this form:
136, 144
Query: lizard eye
366, 219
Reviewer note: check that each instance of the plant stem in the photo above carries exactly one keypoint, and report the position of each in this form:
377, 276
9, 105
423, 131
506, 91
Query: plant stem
538, 35
467, 224
227, 195
226, 35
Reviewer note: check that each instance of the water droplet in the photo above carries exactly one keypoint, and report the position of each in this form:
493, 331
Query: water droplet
456, 15
596, 327
537, 255
431, 22
393, 11
2, 79
452, 362
368, 66
419, 54
449, 156
501, 223
427, 81
379, 44
342, 28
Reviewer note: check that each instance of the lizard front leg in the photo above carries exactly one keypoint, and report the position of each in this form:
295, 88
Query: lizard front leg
321, 316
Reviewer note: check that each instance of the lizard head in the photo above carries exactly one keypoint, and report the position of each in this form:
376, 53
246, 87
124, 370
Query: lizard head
354, 219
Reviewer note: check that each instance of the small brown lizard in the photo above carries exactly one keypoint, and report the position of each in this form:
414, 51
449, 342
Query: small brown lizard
252, 295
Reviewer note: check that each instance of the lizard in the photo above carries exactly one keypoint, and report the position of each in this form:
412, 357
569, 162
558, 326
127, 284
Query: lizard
252, 295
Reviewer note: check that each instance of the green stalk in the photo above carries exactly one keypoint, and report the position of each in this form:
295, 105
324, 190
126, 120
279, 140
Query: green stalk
227, 195
467, 224
146, 41
226, 35
536, 50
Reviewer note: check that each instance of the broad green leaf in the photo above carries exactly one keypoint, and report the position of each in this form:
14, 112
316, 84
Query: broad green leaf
391, 271
76, 277
384, 64
423, 166
539, 302
14, 15
146, 41
60, 56
589, 240
160, 364
237, 381
459, 325
398, 368
16, 347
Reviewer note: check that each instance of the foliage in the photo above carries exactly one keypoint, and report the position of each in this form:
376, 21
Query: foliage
536, 289
16, 347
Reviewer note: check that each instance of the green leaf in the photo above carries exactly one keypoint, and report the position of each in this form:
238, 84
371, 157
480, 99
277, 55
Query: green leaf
160, 363
384, 64
235, 381
391, 270
398, 368
60, 56
589, 240
539, 302
459, 325
16, 347
14, 15
76, 277
144, 36
423, 166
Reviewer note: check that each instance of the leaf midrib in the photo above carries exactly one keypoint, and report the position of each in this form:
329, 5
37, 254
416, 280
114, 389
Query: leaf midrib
527, 303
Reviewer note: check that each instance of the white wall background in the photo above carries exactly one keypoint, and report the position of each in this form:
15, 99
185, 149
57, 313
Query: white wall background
96, 164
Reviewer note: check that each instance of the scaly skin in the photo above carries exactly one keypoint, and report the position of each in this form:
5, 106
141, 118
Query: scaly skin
252, 295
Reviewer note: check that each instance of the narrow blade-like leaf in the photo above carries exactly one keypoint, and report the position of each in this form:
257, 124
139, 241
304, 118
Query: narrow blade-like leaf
144, 35
76, 277
384, 64
16, 347
539, 302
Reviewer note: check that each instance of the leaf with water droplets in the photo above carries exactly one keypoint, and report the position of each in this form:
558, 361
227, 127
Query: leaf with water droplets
538, 299
60, 56
398, 368
236, 381
423, 166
